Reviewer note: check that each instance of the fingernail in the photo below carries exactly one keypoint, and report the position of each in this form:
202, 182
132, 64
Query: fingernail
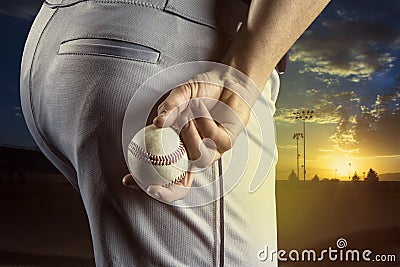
159, 120
159, 116
125, 181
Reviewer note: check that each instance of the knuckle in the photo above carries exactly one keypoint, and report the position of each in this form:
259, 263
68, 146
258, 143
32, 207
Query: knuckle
185, 90
210, 132
222, 148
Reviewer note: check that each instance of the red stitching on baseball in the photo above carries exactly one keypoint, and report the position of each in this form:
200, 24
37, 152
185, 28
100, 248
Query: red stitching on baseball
159, 160
177, 180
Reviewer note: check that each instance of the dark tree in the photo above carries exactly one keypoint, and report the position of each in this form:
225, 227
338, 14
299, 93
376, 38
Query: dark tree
315, 178
293, 176
355, 177
372, 176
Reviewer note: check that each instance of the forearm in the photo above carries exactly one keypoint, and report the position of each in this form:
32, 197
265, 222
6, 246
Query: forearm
272, 28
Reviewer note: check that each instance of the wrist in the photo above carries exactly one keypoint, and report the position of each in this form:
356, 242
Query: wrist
252, 56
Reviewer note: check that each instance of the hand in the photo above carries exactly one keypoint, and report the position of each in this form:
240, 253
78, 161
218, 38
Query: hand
209, 117
169, 194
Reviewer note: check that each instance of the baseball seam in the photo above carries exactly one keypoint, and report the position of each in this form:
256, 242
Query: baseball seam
158, 160
177, 180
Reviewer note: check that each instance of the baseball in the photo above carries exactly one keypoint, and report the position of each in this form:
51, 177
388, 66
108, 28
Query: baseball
157, 156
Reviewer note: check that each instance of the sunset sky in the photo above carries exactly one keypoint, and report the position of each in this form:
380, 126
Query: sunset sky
346, 68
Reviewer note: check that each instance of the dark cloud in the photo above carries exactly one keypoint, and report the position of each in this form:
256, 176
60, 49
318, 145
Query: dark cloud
339, 108
329, 108
24, 9
361, 129
377, 129
370, 131
351, 40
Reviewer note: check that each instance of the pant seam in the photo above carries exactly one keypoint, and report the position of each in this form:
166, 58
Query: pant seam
214, 221
189, 17
222, 215
134, 2
44, 140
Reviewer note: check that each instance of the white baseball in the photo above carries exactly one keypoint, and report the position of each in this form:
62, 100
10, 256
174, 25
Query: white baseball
157, 156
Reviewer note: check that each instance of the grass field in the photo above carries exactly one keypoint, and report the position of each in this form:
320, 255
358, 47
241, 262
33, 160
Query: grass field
45, 224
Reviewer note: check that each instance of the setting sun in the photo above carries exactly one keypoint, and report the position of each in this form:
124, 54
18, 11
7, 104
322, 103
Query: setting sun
343, 167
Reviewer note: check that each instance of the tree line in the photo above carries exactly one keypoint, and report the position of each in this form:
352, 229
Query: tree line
372, 176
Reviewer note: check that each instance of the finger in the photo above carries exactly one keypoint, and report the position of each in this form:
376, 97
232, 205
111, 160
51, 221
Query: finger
182, 120
201, 152
172, 106
191, 138
130, 182
173, 192
208, 128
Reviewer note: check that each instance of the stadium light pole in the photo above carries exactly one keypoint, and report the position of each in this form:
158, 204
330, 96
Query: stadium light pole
297, 136
349, 170
303, 116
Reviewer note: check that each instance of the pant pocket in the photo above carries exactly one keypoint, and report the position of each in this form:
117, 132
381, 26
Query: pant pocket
110, 48
61, 3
